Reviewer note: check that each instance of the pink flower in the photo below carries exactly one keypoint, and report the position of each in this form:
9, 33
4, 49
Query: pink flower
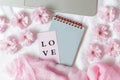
116, 26
41, 15
101, 32
27, 38
21, 20
103, 71
112, 48
9, 45
108, 13
3, 24
95, 52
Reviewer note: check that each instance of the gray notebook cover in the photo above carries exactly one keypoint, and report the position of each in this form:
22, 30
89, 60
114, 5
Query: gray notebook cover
69, 35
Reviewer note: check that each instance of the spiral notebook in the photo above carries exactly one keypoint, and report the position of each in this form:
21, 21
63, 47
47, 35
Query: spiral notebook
69, 35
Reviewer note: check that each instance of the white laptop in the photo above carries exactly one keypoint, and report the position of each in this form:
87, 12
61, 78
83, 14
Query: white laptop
80, 7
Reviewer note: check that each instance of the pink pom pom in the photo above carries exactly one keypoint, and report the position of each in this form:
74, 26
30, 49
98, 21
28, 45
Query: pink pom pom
26, 38
41, 15
9, 45
108, 13
116, 26
29, 68
21, 20
102, 32
112, 48
95, 52
3, 24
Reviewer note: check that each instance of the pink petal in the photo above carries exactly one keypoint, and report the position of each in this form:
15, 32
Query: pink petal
26, 38
112, 48
10, 45
101, 32
95, 52
116, 26
108, 14
21, 20
3, 24
41, 15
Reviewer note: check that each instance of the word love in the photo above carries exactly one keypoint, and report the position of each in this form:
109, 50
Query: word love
50, 43
48, 46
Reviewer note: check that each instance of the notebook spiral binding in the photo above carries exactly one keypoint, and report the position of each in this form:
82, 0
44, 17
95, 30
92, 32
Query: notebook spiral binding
68, 21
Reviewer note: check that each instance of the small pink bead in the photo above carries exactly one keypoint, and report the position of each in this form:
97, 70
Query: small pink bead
41, 15
108, 14
21, 20
26, 38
